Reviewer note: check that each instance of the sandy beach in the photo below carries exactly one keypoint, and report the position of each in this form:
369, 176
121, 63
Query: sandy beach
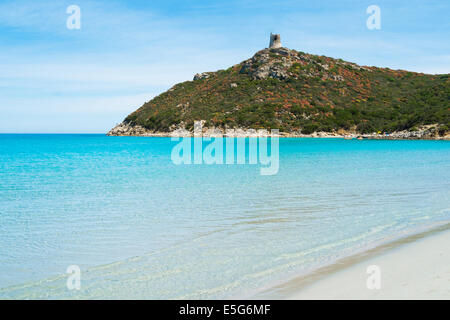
415, 268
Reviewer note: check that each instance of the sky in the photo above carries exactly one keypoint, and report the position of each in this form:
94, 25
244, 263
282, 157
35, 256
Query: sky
59, 80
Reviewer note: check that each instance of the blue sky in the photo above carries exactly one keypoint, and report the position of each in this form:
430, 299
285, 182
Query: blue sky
57, 80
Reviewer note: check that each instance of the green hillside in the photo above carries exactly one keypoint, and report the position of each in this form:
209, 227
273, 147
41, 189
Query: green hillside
294, 91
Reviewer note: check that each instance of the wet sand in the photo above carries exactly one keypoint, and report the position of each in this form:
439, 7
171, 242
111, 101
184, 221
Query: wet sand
417, 267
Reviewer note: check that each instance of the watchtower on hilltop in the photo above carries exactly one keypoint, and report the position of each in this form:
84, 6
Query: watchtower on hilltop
275, 41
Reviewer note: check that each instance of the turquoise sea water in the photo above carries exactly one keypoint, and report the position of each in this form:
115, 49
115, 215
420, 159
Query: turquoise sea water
139, 226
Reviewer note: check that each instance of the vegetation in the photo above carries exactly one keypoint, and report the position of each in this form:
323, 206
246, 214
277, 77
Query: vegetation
319, 94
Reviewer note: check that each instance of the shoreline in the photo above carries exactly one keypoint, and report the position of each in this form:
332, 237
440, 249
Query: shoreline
428, 132
283, 135
346, 278
416, 266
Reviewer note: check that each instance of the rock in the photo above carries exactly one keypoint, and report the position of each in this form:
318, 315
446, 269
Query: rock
276, 63
126, 129
180, 132
213, 132
203, 75
198, 127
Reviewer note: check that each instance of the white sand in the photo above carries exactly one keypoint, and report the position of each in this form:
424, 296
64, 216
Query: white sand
416, 270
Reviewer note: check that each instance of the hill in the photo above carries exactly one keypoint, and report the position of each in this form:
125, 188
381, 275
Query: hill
300, 93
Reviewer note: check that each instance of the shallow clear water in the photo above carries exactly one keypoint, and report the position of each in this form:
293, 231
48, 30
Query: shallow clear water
139, 226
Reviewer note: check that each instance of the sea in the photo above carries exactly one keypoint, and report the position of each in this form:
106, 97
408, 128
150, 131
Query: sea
87, 216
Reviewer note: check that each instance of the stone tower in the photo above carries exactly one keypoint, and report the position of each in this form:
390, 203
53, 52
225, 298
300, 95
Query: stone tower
275, 41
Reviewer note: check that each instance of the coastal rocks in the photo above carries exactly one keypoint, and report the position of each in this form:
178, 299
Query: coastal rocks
322, 134
198, 127
126, 129
200, 130
239, 132
213, 132
424, 132
180, 132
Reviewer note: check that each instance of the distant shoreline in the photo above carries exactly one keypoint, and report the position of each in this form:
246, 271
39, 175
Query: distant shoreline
427, 132
281, 135
285, 135
164, 135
